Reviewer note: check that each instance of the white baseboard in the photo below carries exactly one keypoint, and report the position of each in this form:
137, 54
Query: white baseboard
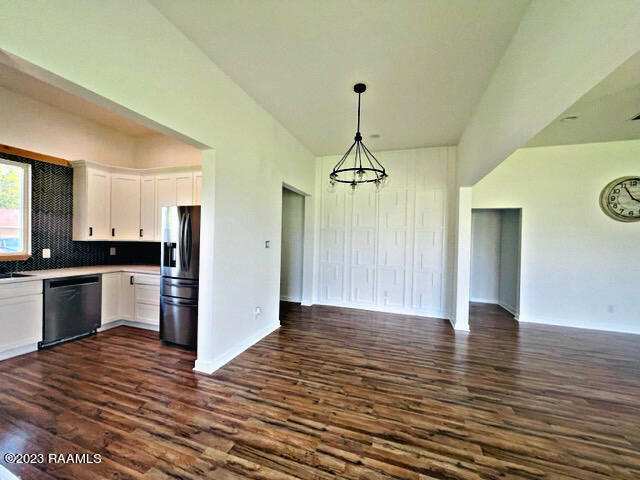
14, 352
286, 298
145, 326
494, 301
210, 366
509, 308
560, 323
110, 325
128, 323
441, 315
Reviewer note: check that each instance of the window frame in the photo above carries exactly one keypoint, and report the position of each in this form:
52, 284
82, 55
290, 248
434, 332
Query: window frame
26, 212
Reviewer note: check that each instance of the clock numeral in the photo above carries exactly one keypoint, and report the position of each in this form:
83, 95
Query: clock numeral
630, 213
616, 191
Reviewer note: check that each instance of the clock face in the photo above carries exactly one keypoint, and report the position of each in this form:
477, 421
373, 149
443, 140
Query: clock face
620, 199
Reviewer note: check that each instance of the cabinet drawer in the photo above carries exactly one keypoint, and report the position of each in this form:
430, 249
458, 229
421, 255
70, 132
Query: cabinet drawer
20, 289
148, 313
149, 294
144, 279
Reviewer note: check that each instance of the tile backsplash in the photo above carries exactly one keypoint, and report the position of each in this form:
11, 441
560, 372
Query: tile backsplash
52, 222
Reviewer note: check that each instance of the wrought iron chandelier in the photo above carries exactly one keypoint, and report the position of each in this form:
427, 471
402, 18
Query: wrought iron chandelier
366, 167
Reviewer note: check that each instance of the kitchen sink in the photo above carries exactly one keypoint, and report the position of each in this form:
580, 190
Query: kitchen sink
14, 275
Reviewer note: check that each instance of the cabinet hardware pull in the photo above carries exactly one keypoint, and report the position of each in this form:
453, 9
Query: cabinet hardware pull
131, 280
91, 231
142, 232
113, 232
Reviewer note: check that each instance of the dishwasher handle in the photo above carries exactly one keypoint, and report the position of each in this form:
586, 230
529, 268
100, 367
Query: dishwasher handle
73, 281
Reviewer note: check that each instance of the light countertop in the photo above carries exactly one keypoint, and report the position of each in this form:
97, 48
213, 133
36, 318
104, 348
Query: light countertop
75, 271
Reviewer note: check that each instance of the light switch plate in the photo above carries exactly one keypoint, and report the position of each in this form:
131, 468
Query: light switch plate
267, 243
46, 253
112, 251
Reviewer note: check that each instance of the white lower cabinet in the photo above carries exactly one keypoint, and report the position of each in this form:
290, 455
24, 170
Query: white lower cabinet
130, 296
127, 296
147, 299
20, 317
110, 297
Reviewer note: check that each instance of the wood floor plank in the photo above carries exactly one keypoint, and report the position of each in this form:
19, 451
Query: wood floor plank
335, 393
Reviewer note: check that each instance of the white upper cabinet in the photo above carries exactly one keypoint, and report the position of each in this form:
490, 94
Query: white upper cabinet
147, 208
125, 210
125, 204
165, 197
184, 188
197, 187
91, 199
172, 189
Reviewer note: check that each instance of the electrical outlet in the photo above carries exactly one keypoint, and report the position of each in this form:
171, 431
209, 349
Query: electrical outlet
257, 311
112, 251
46, 253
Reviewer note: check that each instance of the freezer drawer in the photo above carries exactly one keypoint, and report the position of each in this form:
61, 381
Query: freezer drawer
179, 287
179, 321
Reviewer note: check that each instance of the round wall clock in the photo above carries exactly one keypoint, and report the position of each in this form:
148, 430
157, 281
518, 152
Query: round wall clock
620, 199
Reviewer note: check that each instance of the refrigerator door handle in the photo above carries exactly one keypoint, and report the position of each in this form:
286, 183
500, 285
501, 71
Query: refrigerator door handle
181, 240
187, 242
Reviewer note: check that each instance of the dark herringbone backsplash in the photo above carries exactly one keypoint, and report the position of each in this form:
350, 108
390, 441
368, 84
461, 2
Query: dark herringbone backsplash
51, 223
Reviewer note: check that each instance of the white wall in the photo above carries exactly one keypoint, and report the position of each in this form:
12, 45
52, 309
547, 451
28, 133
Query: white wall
292, 246
579, 267
389, 251
36, 126
156, 151
485, 256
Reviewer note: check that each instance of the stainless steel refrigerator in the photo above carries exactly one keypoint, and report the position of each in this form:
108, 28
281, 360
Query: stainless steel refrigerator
180, 265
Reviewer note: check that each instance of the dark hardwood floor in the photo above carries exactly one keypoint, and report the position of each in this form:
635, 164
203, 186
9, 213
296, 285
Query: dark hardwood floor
335, 393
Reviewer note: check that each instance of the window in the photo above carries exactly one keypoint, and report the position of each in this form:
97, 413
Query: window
15, 210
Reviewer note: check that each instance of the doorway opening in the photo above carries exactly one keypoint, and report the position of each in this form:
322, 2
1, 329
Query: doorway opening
495, 260
292, 248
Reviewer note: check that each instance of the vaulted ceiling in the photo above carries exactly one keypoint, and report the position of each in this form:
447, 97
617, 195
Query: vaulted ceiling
426, 63
604, 114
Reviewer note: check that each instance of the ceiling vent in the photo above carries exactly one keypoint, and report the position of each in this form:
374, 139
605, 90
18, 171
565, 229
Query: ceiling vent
637, 117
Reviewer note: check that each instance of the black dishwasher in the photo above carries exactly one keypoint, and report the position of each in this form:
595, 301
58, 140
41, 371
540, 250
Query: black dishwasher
72, 308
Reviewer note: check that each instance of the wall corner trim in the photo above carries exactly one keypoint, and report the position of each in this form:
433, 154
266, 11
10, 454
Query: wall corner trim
209, 366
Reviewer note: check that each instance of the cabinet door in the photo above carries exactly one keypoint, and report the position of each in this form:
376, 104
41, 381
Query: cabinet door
98, 188
127, 296
165, 197
110, 297
197, 187
21, 322
184, 188
125, 207
147, 208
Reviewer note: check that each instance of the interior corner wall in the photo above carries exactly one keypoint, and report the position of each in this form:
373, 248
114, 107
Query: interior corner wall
485, 256
578, 266
389, 251
129, 54
33, 125
293, 220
